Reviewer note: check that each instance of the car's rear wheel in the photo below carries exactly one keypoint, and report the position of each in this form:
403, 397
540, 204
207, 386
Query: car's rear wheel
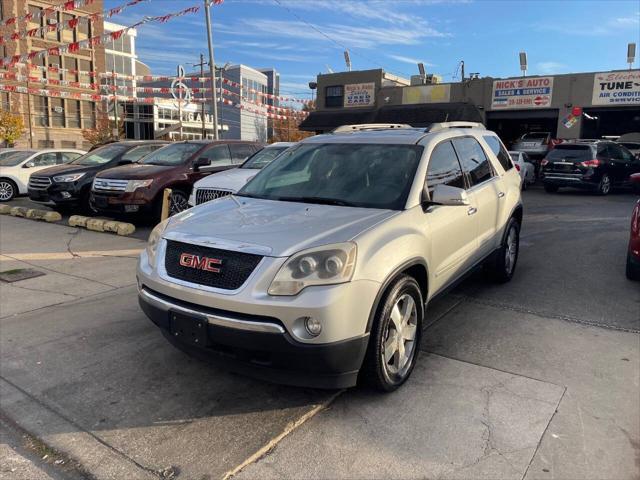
503, 264
395, 336
604, 187
8, 190
632, 271
550, 188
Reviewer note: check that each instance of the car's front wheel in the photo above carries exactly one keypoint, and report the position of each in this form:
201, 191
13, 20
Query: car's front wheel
633, 271
178, 202
395, 336
8, 190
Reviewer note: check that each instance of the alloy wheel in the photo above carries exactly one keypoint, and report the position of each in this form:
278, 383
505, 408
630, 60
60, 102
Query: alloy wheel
511, 251
400, 337
6, 191
178, 203
605, 184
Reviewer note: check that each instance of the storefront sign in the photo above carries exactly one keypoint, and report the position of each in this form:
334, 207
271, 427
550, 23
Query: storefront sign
534, 92
616, 88
360, 95
426, 94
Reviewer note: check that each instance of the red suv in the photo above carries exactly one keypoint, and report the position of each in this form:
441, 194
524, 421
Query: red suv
633, 256
138, 188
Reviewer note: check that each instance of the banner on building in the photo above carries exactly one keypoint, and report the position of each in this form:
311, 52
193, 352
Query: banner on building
360, 95
426, 94
616, 88
522, 93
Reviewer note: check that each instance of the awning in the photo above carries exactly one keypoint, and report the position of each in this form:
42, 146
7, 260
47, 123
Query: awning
416, 115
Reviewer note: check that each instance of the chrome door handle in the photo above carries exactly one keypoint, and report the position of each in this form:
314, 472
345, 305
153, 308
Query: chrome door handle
500, 194
472, 211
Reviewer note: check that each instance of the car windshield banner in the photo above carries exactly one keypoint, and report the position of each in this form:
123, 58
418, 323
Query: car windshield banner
533, 92
616, 88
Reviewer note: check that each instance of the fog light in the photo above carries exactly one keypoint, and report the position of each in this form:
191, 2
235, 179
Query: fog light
65, 194
313, 326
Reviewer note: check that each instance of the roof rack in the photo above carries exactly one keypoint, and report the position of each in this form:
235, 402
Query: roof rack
370, 126
434, 127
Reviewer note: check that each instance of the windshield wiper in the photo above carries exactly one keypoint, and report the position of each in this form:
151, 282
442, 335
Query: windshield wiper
318, 200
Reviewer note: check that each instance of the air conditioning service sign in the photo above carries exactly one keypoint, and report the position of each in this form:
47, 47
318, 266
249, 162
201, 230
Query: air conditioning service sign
616, 88
521, 93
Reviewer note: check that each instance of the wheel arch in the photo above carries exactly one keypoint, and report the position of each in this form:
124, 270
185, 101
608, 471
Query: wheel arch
13, 181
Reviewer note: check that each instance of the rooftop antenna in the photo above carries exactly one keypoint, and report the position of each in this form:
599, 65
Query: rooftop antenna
329, 69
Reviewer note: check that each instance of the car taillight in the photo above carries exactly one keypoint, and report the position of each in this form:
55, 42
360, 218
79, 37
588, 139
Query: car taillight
590, 163
544, 162
517, 167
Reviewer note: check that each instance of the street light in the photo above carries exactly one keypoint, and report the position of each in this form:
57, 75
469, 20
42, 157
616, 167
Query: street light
631, 54
523, 63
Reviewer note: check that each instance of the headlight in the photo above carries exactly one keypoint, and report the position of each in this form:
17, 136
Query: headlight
154, 240
326, 265
133, 185
72, 177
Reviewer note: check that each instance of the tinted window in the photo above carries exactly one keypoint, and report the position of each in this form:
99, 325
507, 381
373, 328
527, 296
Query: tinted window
444, 168
11, 159
263, 157
346, 174
137, 153
68, 156
615, 151
173, 154
219, 155
473, 160
631, 145
240, 152
571, 153
498, 149
46, 159
100, 155
334, 96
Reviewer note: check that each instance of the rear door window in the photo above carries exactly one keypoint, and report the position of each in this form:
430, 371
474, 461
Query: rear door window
500, 152
219, 155
475, 163
46, 159
444, 168
240, 152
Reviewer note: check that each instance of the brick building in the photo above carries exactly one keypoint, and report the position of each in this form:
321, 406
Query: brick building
53, 121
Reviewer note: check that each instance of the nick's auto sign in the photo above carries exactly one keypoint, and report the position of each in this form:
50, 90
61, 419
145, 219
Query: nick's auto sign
534, 92
616, 88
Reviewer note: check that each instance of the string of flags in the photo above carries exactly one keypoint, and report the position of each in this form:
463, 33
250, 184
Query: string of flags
33, 66
48, 81
45, 12
93, 41
71, 23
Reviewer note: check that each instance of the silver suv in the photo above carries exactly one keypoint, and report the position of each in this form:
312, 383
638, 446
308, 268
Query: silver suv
318, 271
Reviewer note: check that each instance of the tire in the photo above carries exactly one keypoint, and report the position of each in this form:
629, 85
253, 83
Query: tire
386, 372
550, 188
8, 189
503, 264
632, 271
178, 202
604, 187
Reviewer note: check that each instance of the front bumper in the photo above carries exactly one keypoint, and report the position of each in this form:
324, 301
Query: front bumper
255, 346
57, 194
129, 202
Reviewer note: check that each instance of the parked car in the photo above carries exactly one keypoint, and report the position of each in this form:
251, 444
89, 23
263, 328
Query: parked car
69, 185
230, 181
317, 271
16, 166
139, 188
534, 144
525, 167
633, 147
597, 165
631, 141
633, 254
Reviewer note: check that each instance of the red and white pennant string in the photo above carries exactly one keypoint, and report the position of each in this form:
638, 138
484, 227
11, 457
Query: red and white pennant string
63, 7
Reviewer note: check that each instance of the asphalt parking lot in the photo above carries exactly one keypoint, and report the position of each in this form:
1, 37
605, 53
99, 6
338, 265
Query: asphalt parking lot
538, 378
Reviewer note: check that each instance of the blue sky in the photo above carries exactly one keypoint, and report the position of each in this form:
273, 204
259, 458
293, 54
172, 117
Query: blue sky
559, 36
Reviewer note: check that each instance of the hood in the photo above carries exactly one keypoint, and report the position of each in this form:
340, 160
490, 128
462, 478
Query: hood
61, 169
270, 227
134, 171
232, 180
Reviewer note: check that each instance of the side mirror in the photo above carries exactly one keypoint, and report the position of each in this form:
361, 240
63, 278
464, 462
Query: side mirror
445, 195
29, 164
201, 162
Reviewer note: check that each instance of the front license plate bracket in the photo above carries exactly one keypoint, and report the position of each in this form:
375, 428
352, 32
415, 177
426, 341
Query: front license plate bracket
189, 329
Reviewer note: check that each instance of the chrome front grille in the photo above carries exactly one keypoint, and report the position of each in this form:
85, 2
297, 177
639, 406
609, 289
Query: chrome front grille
207, 194
39, 183
108, 185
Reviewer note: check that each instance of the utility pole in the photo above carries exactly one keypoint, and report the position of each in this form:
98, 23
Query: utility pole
204, 127
29, 113
462, 68
212, 71
180, 92
116, 130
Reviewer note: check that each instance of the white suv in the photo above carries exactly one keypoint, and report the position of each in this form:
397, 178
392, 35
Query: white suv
318, 271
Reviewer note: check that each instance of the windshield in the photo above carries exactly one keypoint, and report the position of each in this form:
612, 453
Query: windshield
13, 158
263, 157
348, 174
100, 155
571, 153
174, 154
535, 136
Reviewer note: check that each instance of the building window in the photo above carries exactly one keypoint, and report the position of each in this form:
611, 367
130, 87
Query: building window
51, 22
84, 28
46, 144
4, 101
334, 96
70, 63
56, 62
73, 113
40, 110
35, 11
57, 112
88, 114
84, 66
68, 144
67, 35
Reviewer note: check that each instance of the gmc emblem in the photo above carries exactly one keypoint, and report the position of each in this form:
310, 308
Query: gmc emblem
190, 260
